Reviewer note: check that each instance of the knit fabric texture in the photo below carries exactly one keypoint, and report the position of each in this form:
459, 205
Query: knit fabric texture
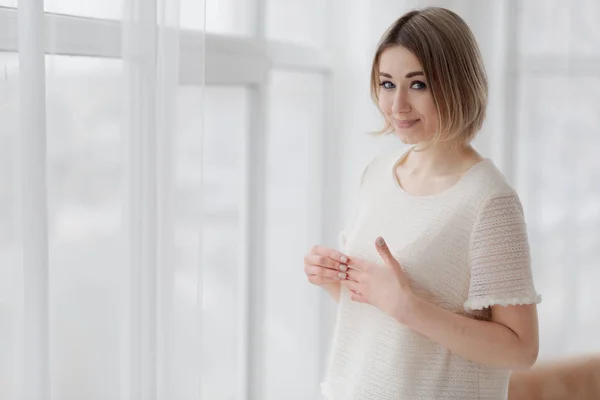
464, 249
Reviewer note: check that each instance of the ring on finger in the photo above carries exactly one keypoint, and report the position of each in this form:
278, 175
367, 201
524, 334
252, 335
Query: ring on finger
343, 267
341, 275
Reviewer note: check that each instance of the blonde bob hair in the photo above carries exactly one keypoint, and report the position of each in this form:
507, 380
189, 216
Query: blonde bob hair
453, 67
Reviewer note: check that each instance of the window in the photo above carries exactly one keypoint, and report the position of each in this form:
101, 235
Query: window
292, 329
86, 173
108, 9
266, 139
230, 17
138, 216
556, 166
559, 28
10, 273
298, 22
225, 127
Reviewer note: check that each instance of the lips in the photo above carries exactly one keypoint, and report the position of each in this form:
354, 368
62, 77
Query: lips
404, 124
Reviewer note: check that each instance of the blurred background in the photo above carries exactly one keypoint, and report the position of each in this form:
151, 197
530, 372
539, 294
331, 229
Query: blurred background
166, 164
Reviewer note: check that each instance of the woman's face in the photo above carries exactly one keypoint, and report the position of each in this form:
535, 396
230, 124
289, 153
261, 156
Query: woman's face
405, 97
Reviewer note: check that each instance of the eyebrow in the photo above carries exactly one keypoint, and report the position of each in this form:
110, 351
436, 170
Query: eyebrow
409, 75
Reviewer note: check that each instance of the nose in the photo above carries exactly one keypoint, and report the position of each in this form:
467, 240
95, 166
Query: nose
401, 104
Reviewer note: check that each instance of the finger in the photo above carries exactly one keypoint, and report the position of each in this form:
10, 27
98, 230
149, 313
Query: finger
359, 298
331, 253
324, 261
326, 272
355, 275
355, 286
359, 264
384, 252
320, 280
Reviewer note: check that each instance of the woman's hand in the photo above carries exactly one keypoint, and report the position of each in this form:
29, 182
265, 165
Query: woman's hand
324, 266
384, 286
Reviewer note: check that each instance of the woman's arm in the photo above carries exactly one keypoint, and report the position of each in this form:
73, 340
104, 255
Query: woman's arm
509, 340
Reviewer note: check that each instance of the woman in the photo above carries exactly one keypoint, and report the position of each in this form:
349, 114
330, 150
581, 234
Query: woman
436, 298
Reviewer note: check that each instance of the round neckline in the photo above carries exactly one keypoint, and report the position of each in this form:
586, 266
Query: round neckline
457, 184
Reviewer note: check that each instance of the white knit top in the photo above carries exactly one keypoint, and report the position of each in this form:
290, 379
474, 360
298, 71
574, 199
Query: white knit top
464, 249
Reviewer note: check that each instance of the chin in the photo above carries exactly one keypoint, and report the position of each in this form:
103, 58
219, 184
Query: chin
407, 139
412, 138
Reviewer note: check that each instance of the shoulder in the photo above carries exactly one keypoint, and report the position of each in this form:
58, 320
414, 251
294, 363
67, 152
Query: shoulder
496, 202
489, 183
381, 164
487, 194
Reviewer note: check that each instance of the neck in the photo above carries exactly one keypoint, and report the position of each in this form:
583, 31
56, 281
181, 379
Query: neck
440, 159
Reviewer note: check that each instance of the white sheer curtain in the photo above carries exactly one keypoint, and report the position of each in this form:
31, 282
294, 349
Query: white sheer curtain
100, 199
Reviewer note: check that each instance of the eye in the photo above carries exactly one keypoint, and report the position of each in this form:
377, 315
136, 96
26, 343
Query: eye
418, 85
387, 85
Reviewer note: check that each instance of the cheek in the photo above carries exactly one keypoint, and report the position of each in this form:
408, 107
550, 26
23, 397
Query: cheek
385, 103
429, 111
432, 116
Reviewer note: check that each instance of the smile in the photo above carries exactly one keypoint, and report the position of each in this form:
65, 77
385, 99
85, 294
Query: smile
405, 124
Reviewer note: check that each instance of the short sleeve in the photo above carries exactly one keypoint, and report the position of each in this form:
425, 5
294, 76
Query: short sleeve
499, 257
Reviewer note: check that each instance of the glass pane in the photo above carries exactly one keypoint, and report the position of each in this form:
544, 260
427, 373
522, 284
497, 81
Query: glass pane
107, 9
557, 172
231, 17
86, 169
559, 27
301, 22
86, 236
292, 305
585, 337
224, 129
11, 289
